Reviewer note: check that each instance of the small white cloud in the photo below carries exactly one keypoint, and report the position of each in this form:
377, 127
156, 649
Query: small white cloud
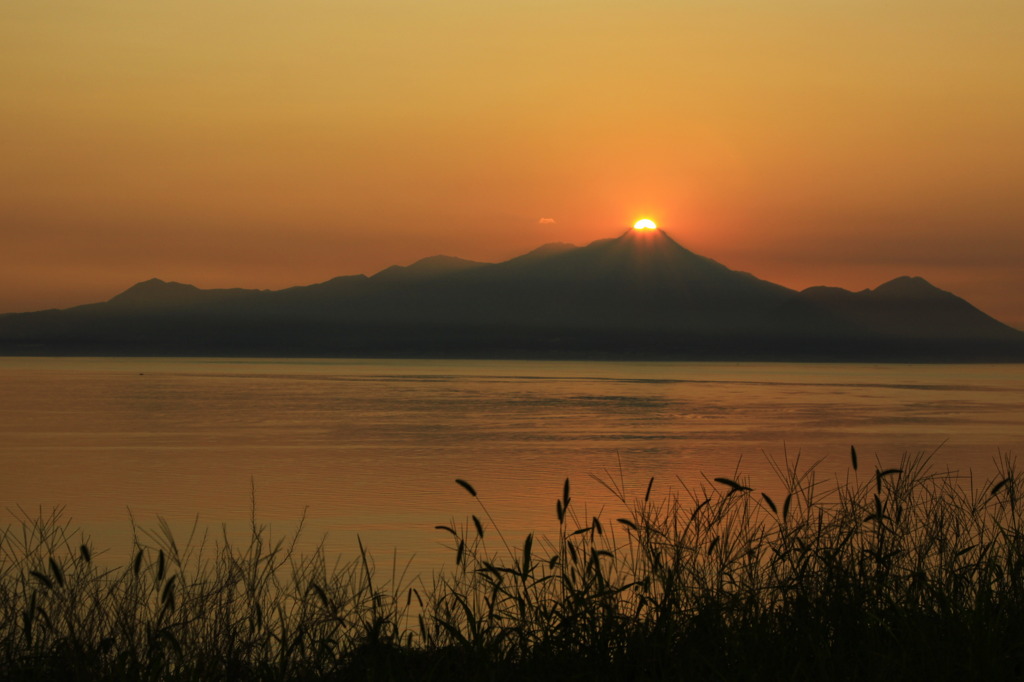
546, 221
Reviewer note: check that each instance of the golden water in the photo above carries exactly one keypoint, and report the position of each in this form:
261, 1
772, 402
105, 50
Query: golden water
373, 446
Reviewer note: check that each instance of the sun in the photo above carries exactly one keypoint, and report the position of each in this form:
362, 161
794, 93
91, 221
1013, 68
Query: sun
644, 224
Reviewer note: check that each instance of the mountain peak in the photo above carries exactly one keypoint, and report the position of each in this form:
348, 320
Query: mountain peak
427, 267
655, 237
654, 245
539, 254
908, 286
155, 290
661, 257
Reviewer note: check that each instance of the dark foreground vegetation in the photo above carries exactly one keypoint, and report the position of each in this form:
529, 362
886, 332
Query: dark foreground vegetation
905, 573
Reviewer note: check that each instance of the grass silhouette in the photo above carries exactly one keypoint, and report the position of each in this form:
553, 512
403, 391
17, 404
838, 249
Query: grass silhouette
907, 573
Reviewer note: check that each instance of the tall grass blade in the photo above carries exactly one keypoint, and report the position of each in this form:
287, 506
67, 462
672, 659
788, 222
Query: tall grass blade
58, 574
167, 596
1000, 485
527, 554
467, 486
733, 485
879, 475
42, 578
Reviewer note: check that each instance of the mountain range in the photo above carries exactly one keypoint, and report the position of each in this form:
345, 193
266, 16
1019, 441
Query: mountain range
640, 295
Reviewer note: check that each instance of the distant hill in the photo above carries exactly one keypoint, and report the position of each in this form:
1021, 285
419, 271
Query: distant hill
641, 295
435, 266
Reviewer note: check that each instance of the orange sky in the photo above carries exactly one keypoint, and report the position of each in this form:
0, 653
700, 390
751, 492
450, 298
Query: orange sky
264, 144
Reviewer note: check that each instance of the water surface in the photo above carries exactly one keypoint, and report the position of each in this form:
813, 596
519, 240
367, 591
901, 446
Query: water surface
373, 446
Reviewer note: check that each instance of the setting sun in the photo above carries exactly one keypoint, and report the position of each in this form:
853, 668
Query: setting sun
644, 224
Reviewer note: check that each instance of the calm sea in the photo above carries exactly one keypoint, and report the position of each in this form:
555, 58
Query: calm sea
372, 447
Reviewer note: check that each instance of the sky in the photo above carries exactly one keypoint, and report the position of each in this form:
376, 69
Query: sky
267, 144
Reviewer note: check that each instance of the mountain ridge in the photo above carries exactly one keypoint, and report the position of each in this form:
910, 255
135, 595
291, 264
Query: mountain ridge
641, 294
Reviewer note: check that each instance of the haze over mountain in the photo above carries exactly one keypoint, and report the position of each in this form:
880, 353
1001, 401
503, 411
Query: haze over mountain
639, 295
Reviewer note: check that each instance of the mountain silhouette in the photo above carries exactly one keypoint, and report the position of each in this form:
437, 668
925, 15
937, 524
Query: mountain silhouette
426, 268
640, 295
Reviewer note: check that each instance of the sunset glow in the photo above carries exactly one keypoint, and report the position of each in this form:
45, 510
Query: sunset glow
173, 140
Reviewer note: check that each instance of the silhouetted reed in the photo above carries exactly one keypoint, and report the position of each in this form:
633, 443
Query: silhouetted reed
905, 572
